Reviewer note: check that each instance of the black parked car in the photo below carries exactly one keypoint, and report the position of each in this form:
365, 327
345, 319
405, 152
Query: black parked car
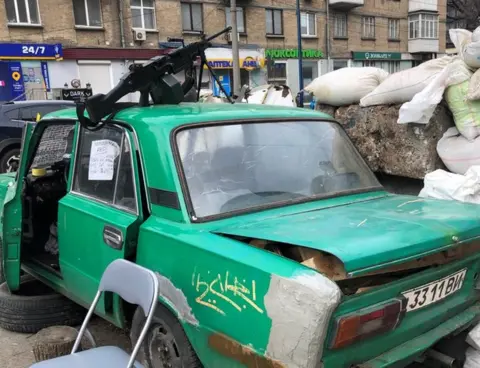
12, 117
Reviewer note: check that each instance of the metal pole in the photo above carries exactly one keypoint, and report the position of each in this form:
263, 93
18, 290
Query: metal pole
300, 55
327, 33
235, 53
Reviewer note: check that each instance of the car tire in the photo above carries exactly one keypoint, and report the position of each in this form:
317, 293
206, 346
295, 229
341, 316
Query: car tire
6, 157
35, 307
166, 344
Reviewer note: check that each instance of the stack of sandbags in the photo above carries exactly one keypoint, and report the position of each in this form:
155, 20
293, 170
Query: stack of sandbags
400, 87
346, 86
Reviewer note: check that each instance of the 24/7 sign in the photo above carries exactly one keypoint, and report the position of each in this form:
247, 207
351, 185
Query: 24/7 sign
77, 94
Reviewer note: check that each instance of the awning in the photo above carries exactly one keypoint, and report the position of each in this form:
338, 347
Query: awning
221, 58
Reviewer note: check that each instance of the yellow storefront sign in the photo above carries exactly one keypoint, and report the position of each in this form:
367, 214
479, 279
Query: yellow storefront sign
247, 63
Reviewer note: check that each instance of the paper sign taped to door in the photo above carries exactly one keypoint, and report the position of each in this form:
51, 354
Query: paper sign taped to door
102, 159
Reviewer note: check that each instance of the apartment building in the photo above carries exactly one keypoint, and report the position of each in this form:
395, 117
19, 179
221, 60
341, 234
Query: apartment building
47, 44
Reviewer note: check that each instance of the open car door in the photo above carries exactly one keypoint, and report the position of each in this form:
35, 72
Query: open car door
12, 215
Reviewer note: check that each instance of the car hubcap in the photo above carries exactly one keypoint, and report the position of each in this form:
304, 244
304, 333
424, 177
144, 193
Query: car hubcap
162, 348
13, 163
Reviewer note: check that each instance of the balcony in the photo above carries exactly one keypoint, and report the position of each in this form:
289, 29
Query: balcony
423, 5
345, 5
423, 45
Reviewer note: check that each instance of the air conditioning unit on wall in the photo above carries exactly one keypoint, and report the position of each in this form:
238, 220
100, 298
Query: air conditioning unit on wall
139, 34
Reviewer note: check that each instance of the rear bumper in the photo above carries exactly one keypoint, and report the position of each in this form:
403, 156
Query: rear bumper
406, 353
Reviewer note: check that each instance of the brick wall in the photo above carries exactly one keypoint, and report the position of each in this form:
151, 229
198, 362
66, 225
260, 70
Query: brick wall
58, 25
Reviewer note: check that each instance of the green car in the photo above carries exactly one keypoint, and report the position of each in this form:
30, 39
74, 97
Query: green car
273, 242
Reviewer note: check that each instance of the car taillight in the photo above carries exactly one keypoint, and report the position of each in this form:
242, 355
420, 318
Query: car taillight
367, 322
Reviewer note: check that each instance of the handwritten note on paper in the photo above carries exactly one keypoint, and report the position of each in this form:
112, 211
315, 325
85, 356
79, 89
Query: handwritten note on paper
102, 159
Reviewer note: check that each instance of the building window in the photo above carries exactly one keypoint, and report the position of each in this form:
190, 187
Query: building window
192, 17
308, 23
277, 72
393, 67
240, 19
368, 27
423, 26
87, 13
394, 29
22, 11
340, 25
274, 19
339, 64
143, 14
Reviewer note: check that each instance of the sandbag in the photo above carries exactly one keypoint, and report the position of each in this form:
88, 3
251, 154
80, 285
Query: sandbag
460, 38
466, 114
257, 95
471, 54
279, 96
457, 153
346, 86
474, 87
476, 35
472, 358
402, 86
420, 109
473, 337
442, 184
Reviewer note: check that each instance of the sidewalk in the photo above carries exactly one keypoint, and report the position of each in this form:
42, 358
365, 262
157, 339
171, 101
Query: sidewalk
16, 348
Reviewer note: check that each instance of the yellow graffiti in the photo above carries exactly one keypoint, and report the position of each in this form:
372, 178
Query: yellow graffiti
225, 289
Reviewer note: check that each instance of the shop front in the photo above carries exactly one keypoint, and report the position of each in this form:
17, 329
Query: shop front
252, 72
282, 66
391, 62
24, 70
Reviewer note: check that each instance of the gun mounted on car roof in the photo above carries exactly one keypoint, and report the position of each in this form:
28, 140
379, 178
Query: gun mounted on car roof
154, 80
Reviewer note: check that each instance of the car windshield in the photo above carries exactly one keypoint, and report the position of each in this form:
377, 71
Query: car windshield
243, 166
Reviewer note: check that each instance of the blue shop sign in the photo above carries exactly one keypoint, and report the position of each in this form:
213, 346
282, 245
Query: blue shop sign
30, 51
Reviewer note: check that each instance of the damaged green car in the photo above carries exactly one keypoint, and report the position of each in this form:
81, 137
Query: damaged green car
273, 242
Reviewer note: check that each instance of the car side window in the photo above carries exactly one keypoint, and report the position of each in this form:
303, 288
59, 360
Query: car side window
27, 114
104, 168
54, 144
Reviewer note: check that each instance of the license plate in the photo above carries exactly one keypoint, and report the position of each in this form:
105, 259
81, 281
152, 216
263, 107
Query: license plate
435, 291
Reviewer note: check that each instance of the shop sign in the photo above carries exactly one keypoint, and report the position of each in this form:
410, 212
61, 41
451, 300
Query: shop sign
248, 63
18, 88
293, 54
30, 51
76, 94
377, 56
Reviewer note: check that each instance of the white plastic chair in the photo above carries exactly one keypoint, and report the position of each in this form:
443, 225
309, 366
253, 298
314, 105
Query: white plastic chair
134, 284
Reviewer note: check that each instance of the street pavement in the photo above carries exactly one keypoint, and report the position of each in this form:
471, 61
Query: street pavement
16, 348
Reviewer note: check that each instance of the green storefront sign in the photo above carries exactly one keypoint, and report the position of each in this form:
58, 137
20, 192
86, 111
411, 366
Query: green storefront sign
293, 54
374, 55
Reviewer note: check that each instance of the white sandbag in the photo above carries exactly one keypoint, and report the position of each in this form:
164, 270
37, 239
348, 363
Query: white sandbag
460, 38
472, 358
471, 54
474, 87
422, 106
476, 35
257, 95
279, 96
473, 337
402, 86
442, 184
466, 113
457, 153
346, 86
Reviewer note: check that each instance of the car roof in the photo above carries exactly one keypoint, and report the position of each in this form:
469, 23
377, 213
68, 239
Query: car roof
172, 116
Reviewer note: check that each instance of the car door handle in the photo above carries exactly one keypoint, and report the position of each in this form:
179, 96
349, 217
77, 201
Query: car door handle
113, 237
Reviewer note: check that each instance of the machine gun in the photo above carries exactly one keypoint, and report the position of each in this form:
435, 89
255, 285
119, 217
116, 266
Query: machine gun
154, 80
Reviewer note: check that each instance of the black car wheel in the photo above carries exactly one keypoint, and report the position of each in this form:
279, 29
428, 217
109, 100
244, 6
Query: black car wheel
166, 345
10, 160
35, 306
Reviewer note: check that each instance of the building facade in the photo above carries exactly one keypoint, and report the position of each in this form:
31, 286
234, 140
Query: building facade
46, 44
